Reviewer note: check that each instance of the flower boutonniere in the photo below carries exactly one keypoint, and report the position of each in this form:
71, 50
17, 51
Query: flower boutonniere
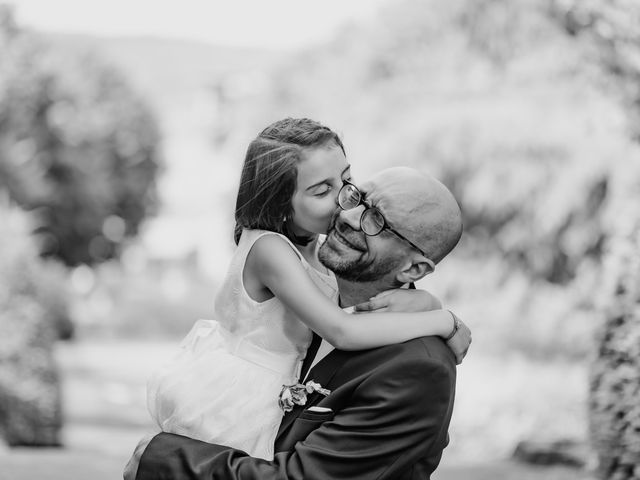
296, 394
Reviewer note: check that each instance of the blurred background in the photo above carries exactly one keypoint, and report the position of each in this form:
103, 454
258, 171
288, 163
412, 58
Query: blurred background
123, 127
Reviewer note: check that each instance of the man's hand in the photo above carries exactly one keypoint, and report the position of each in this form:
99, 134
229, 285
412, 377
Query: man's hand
460, 342
400, 300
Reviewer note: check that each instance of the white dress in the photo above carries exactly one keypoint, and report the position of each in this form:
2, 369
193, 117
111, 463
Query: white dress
223, 385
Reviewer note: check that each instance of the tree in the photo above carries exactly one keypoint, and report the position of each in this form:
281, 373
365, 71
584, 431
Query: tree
78, 147
614, 404
612, 27
33, 299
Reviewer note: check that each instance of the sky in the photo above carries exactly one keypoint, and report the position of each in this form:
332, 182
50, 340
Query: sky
277, 24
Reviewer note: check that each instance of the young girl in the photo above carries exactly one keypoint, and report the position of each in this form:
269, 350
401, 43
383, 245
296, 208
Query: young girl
223, 386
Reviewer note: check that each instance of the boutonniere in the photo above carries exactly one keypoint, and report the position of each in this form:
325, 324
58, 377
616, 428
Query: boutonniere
296, 394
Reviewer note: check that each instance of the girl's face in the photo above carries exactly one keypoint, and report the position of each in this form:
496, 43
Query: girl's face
320, 177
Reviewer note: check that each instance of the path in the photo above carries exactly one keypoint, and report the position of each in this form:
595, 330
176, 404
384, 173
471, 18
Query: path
104, 407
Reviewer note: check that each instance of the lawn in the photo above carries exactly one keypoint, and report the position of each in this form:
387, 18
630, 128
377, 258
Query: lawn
104, 386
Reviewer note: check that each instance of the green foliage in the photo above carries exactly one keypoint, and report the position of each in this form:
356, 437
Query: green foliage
611, 27
23, 275
77, 147
615, 374
33, 308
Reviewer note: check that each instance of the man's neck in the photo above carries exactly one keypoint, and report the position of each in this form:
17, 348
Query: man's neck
352, 293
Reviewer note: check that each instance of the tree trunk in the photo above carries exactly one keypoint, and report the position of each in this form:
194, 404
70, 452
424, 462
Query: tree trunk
614, 401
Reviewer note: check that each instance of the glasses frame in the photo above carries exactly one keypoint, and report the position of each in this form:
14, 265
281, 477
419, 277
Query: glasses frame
385, 224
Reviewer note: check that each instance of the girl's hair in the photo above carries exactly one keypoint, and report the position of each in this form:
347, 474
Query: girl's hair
270, 171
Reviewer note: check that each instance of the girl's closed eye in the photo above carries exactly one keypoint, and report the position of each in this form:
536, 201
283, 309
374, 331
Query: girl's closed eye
322, 191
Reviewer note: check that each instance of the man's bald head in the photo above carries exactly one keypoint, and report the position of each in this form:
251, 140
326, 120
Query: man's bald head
418, 206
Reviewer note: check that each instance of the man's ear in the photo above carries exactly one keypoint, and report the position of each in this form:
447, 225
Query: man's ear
413, 270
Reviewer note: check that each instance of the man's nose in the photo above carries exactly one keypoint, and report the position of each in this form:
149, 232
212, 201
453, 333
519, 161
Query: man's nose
352, 216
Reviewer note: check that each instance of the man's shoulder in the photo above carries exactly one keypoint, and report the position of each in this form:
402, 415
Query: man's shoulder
427, 350
434, 347
422, 352
414, 367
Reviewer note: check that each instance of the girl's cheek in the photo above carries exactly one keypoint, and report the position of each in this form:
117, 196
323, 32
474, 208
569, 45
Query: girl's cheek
334, 198
329, 206
318, 206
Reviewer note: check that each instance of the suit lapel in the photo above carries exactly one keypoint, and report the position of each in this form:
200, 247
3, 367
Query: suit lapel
311, 353
322, 373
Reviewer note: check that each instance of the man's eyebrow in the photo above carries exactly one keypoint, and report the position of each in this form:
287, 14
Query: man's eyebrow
326, 180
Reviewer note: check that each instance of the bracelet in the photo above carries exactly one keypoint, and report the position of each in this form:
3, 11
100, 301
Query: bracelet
456, 326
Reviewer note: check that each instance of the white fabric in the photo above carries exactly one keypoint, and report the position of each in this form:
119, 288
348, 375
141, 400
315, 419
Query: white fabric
223, 384
324, 349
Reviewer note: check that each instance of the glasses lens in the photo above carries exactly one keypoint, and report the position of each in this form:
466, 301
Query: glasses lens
349, 197
372, 221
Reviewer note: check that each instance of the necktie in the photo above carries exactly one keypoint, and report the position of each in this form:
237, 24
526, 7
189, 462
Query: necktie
313, 350
311, 354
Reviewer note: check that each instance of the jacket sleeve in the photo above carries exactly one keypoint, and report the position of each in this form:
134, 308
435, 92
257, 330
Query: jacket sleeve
397, 415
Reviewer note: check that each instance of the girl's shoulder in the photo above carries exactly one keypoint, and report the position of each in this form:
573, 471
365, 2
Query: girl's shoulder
266, 242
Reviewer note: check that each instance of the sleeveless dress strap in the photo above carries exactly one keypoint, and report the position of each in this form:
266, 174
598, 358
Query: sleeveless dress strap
256, 234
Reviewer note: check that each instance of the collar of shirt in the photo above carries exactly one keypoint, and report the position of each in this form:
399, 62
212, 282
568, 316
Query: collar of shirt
325, 349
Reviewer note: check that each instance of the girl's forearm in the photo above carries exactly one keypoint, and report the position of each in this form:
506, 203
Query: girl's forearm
371, 330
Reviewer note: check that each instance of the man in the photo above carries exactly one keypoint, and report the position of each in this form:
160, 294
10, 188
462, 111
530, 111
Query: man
389, 408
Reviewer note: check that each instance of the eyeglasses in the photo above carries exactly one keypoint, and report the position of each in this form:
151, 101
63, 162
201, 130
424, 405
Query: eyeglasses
372, 221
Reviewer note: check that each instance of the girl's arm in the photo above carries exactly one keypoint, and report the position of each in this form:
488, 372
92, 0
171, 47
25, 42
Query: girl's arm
410, 300
278, 268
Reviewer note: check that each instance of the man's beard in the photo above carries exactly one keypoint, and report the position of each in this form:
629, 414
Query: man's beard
359, 268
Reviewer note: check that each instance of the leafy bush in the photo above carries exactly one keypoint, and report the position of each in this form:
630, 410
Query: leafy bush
31, 313
77, 147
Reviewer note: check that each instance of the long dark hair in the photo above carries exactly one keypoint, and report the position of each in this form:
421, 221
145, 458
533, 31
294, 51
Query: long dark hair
270, 171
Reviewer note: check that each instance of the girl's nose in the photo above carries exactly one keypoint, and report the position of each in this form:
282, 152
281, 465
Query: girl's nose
335, 198
352, 216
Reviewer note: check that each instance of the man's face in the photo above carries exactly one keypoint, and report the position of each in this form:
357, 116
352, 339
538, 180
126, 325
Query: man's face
354, 256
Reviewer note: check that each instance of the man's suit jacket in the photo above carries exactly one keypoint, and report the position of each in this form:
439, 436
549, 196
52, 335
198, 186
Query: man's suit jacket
390, 411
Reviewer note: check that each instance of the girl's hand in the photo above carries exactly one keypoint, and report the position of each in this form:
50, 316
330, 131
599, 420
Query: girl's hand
459, 340
400, 300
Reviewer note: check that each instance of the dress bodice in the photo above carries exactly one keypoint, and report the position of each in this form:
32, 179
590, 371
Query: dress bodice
268, 324
233, 368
